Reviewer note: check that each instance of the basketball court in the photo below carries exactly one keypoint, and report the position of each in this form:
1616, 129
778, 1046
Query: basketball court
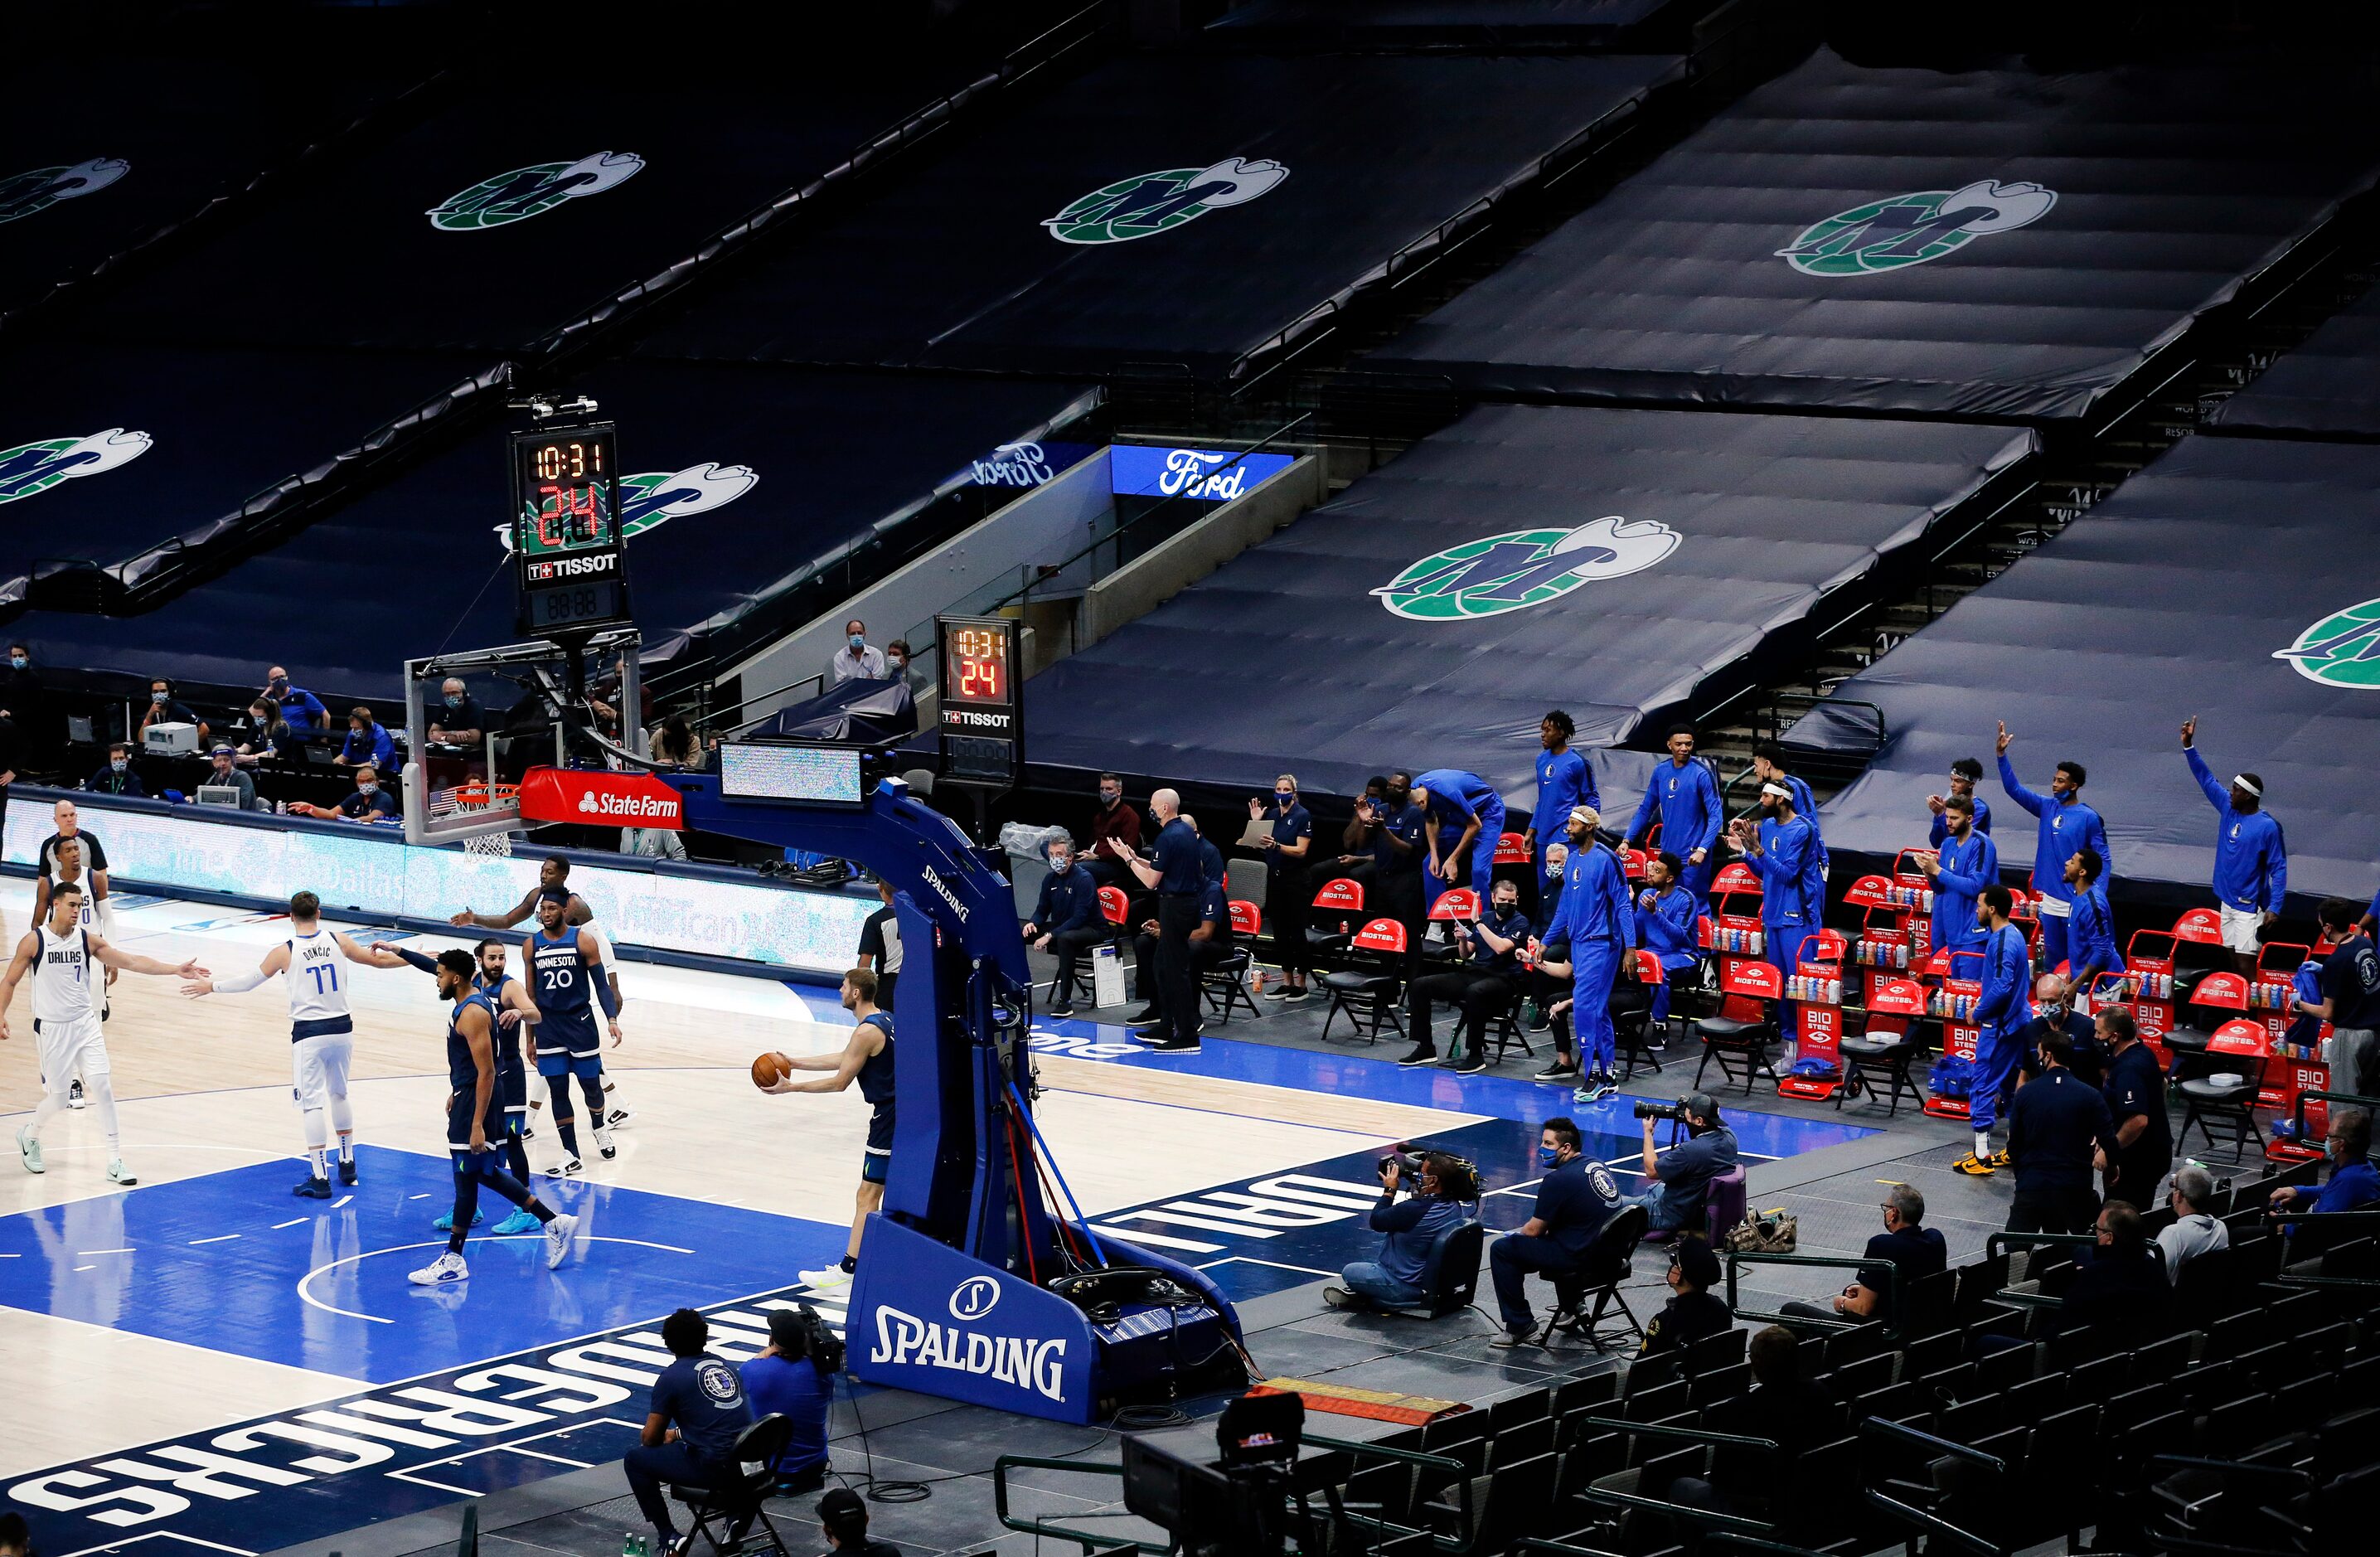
205, 1356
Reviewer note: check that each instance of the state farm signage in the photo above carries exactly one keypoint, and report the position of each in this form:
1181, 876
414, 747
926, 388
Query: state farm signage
601, 798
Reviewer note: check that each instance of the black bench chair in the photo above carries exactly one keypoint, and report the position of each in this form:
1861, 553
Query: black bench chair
738, 1498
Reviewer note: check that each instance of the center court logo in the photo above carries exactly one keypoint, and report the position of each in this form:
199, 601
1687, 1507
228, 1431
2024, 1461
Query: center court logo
1886, 235
38, 189
36, 468
530, 192
1152, 203
2342, 650
1524, 567
652, 499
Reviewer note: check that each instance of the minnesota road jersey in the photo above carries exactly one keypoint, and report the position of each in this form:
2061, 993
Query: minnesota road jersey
63, 968
563, 984
318, 981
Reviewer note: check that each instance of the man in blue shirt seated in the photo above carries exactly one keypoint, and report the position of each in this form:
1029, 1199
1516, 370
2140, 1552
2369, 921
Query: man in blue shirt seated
367, 802
300, 708
1484, 984
1574, 1199
1446, 1197
366, 742
2354, 1184
1066, 918
786, 1381
1907, 1247
118, 777
1679, 1179
697, 1413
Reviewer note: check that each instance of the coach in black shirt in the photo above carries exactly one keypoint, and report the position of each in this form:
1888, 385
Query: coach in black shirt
1574, 1199
1174, 868
2136, 1164
2057, 1125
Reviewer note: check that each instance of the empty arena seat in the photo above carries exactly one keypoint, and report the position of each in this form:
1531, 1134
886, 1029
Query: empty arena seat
2328, 385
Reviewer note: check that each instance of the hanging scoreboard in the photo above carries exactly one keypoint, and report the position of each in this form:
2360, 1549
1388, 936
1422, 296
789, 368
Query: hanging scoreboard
570, 558
982, 699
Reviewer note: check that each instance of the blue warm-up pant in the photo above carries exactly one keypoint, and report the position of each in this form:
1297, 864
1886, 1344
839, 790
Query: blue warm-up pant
1593, 972
1996, 1060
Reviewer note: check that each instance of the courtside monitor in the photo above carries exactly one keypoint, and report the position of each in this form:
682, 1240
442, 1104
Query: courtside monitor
791, 772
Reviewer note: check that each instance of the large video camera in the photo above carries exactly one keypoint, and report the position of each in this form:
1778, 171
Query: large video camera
1671, 1111
820, 1343
1236, 1505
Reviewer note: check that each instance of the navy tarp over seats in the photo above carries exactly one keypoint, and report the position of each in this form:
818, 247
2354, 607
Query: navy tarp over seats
1723, 532
955, 265
168, 441
141, 143
2328, 387
2180, 594
354, 258
1441, 22
763, 472
2171, 184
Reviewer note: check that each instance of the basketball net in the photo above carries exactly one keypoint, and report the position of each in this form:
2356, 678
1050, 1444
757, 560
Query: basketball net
499, 845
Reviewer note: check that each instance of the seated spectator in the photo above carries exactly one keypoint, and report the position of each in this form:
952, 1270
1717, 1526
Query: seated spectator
2354, 1185
697, 1413
2053, 1012
1574, 1199
301, 709
785, 1381
855, 661
2121, 1291
368, 802
165, 709
1115, 832
673, 745
1066, 920
222, 770
366, 742
1912, 1250
900, 664
2193, 1231
1447, 1196
1781, 1407
1483, 985
1678, 1178
274, 739
457, 719
116, 777
842, 1513
1697, 1310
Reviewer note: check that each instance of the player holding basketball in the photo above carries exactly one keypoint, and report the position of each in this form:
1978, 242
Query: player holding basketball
64, 958
555, 871
474, 1107
565, 965
866, 1058
321, 1031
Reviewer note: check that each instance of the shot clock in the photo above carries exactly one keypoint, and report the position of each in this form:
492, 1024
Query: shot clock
570, 557
982, 724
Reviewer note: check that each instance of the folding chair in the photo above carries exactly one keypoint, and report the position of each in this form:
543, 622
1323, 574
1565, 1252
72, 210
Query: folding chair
738, 1499
1454, 906
1630, 1007
1597, 1275
1225, 985
2228, 1096
1338, 907
1739, 1035
1369, 994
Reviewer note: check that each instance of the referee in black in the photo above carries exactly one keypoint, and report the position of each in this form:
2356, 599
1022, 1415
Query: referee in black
1173, 869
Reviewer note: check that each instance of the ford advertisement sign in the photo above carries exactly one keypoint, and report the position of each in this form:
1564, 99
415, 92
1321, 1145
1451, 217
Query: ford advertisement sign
1208, 475
1023, 465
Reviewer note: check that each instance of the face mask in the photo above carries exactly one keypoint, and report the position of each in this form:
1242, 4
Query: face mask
1108, 799
18, 660
280, 684
1548, 1157
895, 662
118, 764
858, 642
157, 697
454, 700
1286, 797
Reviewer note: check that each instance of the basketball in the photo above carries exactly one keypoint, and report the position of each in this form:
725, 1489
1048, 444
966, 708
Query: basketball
768, 1069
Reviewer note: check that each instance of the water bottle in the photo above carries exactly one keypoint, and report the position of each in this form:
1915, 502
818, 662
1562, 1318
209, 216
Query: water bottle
633, 1545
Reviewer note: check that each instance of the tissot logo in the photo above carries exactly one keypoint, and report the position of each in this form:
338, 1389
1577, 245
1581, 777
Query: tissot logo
570, 567
530, 191
1524, 567
977, 718
1903, 230
38, 189
2342, 650
36, 468
1147, 203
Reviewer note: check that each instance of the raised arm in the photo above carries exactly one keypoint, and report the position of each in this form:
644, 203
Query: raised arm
521, 911
133, 962
2018, 792
2216, 795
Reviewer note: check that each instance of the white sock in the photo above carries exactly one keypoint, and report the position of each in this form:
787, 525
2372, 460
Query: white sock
100, 1090
347, 1146
316, 1163
1983, 1144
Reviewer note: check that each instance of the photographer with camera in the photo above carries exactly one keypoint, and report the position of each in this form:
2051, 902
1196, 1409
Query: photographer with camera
1678, 1178
1443, 1194
1574, 1199
794, 1378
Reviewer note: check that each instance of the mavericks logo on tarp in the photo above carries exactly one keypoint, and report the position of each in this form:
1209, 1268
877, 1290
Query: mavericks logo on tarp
1150, 203
2342, 650
653, 498
527, 191
1886, 235
32, 468
21, 194
1524, 567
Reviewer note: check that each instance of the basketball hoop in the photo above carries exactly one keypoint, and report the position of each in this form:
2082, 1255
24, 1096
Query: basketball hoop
495, 844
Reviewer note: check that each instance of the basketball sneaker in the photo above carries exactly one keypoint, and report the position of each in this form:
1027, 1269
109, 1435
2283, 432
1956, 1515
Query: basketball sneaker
446, 1223
564, 1168
347, 1173
1973, 1166
31, 1148
619, 1116
512, 1226
603, 1142
558, 1233
833, 1278
118, 1173
445, 1269
320, 1189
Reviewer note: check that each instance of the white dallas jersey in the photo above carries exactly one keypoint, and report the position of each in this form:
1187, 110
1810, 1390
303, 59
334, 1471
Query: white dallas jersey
64, 978
317, 979
90, 914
